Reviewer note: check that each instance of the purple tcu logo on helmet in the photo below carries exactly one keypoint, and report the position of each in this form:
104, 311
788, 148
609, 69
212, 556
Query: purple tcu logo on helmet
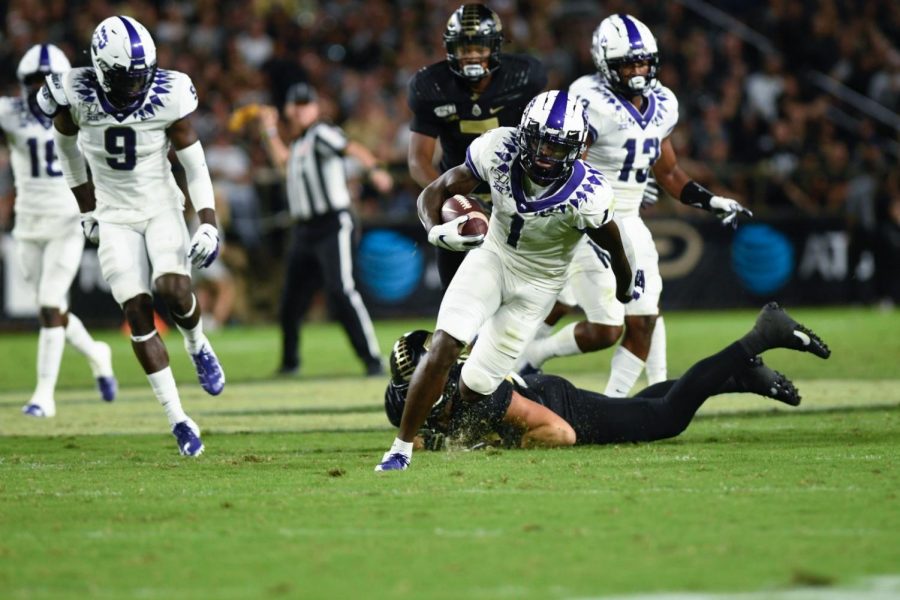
101, 39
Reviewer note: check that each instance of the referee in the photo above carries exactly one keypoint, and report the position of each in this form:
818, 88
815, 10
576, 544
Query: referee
321, 252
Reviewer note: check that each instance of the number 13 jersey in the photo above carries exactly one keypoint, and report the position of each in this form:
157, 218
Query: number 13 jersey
625, 140
127, 151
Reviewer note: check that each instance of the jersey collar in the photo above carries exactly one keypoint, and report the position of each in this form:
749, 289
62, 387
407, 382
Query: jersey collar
561, 195
641, 117
119, 114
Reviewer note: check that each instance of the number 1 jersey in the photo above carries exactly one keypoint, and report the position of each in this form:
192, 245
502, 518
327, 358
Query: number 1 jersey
625, 140
536, 236
127, 151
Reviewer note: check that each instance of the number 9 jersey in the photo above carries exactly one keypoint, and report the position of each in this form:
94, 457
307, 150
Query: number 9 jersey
625, 142
127, 149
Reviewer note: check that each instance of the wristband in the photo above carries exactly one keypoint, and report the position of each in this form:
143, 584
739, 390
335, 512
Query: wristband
696, 195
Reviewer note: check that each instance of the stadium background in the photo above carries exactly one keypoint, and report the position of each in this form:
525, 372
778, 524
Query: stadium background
805, 134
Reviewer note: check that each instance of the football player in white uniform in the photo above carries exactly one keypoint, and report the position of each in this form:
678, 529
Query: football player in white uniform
124, 114
544, 199
48, 238
631, 116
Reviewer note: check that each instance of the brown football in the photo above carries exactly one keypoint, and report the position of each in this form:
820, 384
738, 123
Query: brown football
460, 205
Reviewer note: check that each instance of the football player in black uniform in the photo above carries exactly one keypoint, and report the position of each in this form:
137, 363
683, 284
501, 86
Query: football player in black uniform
546, 410
476, 89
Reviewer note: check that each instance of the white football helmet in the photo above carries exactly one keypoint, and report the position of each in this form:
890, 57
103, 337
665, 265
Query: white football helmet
620, 40
552, 135
41, 60
124, 58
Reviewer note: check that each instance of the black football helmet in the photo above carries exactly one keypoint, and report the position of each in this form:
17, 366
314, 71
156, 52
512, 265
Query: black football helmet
473, 25
405, 356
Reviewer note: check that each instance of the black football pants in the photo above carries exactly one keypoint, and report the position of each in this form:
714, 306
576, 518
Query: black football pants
660, 411
321, 255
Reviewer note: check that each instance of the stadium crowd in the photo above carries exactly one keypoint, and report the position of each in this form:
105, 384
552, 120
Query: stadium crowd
753, 121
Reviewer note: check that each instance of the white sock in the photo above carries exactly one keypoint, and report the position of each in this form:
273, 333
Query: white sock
194, 339
51, 343
78, 336
561, 343
626, 368
657, 366
404, 448
165, 390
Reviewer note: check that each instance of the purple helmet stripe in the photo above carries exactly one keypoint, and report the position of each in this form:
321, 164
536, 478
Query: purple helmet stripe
557, 117
44, 62
634, 36
137, 46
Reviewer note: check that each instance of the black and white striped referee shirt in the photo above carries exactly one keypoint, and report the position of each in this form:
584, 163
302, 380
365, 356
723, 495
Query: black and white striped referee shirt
316, 179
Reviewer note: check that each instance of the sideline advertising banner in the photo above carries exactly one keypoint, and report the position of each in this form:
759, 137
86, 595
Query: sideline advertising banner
800, 261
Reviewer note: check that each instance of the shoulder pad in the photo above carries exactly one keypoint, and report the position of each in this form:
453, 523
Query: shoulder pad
522, 69
425, 84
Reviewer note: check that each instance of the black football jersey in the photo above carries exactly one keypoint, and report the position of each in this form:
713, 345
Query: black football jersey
444, 107
585, 411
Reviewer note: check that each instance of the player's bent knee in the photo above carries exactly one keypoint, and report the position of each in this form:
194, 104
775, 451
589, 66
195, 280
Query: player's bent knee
175, 291
640, 327
598, 337
478, 380
139, 314
50, 316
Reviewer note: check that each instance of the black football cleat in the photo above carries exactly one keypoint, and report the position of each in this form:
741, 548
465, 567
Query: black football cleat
757, 378
778, 330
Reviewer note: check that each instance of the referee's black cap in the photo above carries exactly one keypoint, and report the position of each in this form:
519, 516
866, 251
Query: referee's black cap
300, 93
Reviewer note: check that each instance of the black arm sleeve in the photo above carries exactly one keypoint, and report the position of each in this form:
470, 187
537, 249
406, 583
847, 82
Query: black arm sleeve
694, 194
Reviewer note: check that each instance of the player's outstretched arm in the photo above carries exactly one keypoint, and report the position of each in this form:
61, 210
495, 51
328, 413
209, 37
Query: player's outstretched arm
677, 183
204, 245
622, 260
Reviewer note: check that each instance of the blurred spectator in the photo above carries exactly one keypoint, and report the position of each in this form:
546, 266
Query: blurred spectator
230, 168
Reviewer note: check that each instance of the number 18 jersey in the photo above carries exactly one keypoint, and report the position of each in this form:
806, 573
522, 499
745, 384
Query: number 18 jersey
42, 195
127, 151
626, 140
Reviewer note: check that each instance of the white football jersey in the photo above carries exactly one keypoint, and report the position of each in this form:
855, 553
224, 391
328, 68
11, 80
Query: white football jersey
536, 236
41, 189
626, 141
128, 151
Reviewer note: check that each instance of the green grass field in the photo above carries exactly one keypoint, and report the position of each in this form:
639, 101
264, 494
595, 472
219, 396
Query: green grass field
754, 497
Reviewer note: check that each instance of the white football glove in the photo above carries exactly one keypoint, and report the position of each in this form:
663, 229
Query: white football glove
90, 228
728, 210
447, 236
204, 246
651, 193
